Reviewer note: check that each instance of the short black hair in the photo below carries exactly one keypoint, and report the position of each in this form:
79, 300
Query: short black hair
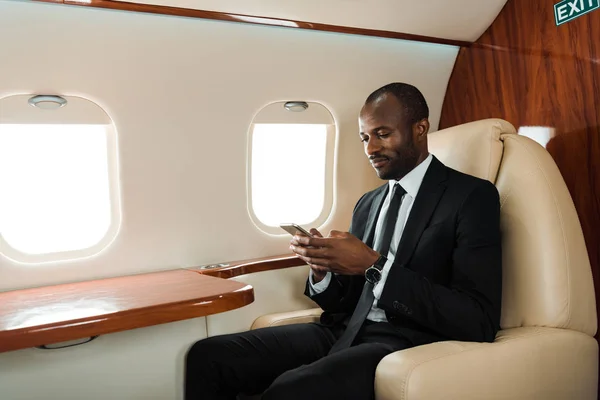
415, 106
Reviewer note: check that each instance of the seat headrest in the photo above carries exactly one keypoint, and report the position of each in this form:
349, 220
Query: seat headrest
474, 148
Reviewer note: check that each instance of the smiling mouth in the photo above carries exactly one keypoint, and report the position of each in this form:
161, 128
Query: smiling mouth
379, 162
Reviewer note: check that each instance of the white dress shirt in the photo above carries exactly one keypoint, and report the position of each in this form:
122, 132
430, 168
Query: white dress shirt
411, 183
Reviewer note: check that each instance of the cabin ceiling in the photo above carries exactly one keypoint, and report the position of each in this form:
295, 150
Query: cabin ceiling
463, 20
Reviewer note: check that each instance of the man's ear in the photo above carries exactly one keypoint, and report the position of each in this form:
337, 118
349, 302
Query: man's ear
421, 129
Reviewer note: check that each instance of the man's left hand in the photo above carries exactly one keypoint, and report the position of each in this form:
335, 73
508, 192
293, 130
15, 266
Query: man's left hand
340, 252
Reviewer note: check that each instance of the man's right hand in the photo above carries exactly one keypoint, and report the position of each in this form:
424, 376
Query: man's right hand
319, 272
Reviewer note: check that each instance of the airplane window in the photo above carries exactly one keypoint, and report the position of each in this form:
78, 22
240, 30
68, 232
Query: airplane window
57, 195
291, 168
541, 134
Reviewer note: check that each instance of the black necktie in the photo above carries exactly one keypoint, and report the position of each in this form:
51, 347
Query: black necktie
367, 297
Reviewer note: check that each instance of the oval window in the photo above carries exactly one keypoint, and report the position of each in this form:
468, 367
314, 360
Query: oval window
58, 179
291, 152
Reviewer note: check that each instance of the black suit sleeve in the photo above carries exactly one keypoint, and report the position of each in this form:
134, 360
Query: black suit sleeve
469, 308
335, 298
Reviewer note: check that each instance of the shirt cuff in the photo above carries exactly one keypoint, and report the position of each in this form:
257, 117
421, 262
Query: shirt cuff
319, 287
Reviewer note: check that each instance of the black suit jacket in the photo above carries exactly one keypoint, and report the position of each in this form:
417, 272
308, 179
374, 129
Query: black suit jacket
446, 280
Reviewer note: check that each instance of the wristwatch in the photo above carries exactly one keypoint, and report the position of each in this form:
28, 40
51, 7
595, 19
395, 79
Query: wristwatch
373, 273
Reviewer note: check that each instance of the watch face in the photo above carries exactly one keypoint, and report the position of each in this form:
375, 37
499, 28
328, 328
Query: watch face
373, 275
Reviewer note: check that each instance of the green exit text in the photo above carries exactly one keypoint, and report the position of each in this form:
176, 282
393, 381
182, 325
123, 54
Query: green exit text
568, 10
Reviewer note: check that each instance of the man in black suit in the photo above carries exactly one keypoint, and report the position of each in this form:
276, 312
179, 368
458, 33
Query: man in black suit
421, 263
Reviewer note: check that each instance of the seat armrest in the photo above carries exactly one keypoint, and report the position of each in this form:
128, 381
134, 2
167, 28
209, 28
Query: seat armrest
287, 318
523, 363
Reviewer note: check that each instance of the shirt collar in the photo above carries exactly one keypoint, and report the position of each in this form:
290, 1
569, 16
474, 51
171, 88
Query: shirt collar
411, 182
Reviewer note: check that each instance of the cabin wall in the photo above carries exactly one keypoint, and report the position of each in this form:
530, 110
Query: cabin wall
182, 94
531, 72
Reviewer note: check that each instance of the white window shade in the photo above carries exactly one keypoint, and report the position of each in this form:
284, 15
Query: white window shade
279, 192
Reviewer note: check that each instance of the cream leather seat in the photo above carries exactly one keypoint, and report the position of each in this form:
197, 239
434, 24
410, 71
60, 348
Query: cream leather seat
546, 349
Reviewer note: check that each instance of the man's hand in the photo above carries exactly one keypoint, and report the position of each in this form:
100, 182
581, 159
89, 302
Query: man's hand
319, 272
341, 252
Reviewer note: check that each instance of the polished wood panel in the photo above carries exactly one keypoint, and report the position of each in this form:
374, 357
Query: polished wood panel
529, 71
52, 314
250, 266
249, 19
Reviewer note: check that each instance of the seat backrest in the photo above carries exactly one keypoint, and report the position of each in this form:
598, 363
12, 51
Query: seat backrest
547, 279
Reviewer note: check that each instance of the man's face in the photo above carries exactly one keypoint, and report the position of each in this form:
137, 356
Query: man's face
388, 140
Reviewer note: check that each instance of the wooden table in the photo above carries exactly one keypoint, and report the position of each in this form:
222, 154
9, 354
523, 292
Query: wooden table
53, 314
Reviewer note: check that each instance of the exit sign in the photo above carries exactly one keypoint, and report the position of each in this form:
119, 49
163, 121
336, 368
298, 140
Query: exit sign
568, 10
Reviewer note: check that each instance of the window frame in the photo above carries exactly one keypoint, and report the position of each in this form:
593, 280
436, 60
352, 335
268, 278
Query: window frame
330, 157
85, 107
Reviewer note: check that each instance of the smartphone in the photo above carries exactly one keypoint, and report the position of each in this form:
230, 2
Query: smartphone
292, 229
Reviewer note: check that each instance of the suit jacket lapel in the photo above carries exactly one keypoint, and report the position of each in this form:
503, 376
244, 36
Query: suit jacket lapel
373, 215
429, 195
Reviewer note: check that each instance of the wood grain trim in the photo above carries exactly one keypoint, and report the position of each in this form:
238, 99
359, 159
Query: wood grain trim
249, 19
250, 266
54, 314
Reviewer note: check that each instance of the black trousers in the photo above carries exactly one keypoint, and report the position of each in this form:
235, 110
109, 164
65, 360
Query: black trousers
289, 362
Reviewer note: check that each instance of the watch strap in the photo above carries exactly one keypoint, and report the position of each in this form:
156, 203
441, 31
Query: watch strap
380, 263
